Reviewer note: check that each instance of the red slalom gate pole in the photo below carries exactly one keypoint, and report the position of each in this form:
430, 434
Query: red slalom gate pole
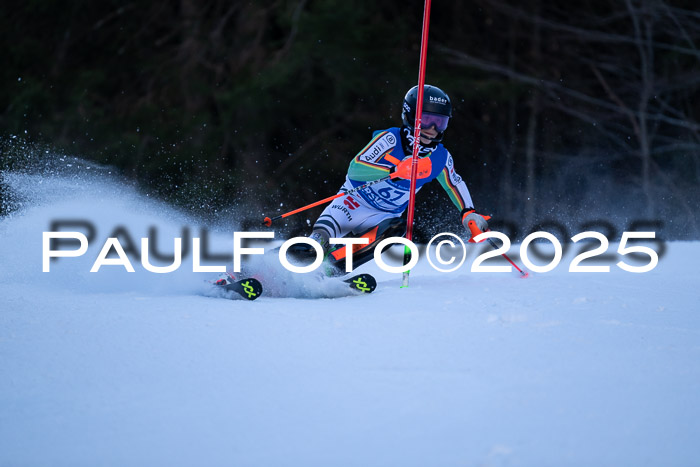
416, 138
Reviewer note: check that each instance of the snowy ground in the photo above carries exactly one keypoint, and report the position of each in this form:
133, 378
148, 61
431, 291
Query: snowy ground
460, 369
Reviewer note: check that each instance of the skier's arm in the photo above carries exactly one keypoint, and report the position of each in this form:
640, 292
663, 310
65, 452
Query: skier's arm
371, 162
459, 194
455, 187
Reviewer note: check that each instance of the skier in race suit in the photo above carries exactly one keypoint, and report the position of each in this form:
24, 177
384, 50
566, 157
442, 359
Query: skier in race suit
375, 212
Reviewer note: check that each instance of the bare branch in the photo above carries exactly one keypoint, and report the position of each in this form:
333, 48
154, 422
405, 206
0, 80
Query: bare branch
461, 58
616, 99
587, 34
292, 33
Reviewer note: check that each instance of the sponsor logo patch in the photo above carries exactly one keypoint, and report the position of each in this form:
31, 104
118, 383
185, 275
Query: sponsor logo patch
379, 148
342, 209
450, 164
438, 100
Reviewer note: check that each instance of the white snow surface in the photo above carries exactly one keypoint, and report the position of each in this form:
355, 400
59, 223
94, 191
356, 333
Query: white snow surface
459, 369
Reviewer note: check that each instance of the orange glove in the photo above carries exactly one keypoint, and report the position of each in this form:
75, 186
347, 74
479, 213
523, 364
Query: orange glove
403, 168
475, 223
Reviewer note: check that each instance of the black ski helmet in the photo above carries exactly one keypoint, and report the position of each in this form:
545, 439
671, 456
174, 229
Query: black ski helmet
435, 101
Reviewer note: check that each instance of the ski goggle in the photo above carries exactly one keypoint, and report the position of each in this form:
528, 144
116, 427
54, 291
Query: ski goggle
438, 121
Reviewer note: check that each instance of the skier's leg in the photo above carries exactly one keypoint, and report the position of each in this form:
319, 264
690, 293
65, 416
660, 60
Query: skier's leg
343, 215
387, 228
348, 215
340, 217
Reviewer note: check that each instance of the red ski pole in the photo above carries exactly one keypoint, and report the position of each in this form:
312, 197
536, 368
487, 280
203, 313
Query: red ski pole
475, 231
416, 137
523, 274
268, 221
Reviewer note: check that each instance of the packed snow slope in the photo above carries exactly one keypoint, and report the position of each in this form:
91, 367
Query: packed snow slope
459, 369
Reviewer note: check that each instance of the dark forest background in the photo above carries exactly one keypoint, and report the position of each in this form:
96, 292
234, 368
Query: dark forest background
579, 113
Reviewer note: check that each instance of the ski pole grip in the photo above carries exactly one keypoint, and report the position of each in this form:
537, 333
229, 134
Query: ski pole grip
474, 231
267, 221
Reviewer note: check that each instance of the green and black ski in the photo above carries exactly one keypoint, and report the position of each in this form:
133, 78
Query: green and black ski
362, 283
248, 288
